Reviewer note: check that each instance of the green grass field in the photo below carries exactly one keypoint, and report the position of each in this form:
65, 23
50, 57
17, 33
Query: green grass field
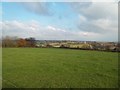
59, 68
0, 67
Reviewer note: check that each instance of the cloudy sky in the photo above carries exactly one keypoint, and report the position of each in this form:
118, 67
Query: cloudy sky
89, 21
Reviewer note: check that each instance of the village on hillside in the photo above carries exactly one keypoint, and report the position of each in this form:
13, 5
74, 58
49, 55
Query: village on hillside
83, 45
68, 44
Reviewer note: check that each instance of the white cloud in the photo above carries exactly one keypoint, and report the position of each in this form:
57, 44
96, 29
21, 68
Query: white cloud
106, 25
96, 10
51, 28
99, 19
35, 29
85, 34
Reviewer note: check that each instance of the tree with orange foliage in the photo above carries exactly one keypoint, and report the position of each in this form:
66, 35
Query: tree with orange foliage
21, 42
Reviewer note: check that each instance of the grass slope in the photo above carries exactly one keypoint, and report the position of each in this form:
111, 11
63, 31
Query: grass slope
48, 67
0, 68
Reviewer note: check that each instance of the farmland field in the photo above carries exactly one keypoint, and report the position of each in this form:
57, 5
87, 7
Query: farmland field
0, 67
59, 68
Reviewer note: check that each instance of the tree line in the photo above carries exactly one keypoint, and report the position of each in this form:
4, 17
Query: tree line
18, 42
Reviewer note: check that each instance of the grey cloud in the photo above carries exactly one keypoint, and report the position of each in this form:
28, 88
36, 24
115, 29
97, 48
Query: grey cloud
77, 6
89, 27
40, 8
99, 26
96, 10
101, 10
97, 17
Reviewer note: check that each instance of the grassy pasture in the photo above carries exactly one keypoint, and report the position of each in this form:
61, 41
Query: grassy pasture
0, 67
59, 68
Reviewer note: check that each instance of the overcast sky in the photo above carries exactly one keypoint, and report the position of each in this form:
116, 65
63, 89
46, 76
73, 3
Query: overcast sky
89, 21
